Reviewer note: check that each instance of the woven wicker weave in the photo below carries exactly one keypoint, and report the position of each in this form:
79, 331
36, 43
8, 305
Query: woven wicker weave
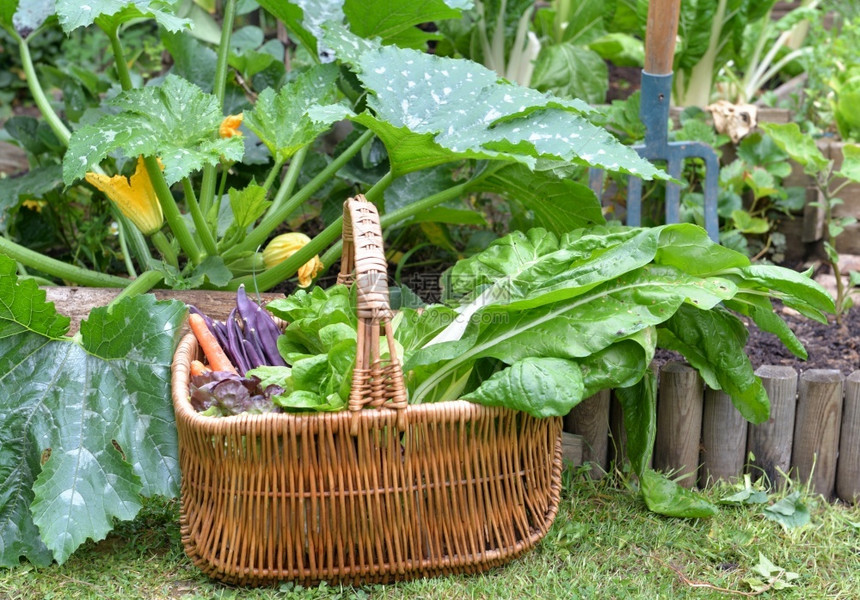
385, 491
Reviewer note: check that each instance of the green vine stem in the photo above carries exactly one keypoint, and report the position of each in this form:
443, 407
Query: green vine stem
141, 285
123, 245
160, 242
58, 268
122, 71
289, 182
53, 120
171, 211
273, 174
199, 222
207, 187
269, 223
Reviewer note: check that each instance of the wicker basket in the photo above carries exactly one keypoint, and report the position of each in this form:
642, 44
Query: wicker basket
385, 491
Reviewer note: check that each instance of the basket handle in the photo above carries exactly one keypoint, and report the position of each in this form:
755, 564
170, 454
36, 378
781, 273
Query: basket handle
376, 382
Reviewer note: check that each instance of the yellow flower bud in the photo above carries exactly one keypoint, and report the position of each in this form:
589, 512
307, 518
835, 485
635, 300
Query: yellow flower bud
283, 247
134, 196
230, 125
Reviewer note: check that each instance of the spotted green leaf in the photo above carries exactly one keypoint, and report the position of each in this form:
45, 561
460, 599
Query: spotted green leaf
174, 121
431, 105
86, 424
280, 119
110, 14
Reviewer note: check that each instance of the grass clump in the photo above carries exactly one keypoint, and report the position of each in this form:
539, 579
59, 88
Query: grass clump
603, 544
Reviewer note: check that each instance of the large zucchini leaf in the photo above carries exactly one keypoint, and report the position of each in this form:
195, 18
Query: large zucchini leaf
86, 423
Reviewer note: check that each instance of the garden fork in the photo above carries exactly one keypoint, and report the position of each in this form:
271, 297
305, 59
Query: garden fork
656, 91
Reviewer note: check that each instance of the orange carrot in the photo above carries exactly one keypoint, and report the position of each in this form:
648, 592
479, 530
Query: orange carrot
218, 360
198, 368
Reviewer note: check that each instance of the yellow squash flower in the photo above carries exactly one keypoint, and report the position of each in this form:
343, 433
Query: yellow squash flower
134, 196
283, 247
230, 125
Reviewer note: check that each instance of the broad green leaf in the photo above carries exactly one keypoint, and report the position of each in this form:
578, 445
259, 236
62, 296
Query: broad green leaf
620, 365
798, 146
192, 59
281, 120
212, 270
174, 121
462, 108
573, 328
798, 289
7, 13
790, 512
94, 410
665, 497
304, 18
541, 387
29, 16
713, 342
418, 185
248, 204
761, 311
557, 205
394, 22
639, 407
850, 168
110, 14
622, 49
571, 71
689, 248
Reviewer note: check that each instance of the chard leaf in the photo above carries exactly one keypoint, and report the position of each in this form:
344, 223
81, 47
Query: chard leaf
761, 311
572, 328
94, 413
154, 121
110, 14
558, 205
794, 289
280, 119
797, 145
620, 365
689, 248
665, 497
541, 387
464, 111
639, 405
713, 342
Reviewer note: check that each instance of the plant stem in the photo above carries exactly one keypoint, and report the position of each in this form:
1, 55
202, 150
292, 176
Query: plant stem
57, 268
171, 211
289, 181
122, 71
199, 222
271, 222
138, 242
374, 194
129, 265
273, 174
141, 285
51, 117
165, 248
207, 187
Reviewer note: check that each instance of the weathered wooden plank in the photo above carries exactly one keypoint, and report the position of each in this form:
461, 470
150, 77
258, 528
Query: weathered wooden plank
571, 449
679, 421
816, 429
724, 439
848, 468
770, 442
590, 419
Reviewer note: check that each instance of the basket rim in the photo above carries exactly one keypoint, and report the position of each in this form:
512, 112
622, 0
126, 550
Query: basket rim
449, 410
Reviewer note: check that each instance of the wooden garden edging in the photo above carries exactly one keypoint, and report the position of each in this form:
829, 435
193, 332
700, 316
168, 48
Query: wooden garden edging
813, 434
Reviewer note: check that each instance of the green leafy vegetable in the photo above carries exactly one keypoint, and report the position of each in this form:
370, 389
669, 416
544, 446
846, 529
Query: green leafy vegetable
110, 14
88, 425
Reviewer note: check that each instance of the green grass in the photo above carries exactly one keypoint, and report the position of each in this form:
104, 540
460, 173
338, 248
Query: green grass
604, 544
